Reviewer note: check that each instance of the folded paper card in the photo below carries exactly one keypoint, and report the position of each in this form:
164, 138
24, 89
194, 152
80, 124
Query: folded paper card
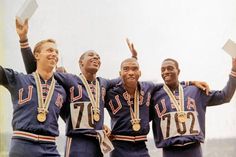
230, 48
26, 10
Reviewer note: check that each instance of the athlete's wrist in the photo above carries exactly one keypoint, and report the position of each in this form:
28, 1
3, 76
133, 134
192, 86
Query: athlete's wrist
23, 40
135, 57
24, 43
233, 73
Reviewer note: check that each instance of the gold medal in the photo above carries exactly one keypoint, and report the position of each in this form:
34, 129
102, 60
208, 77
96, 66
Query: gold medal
94, 99
136, 127
41, 117
134, 113
182, 117
43, 105
179, 104
96, 117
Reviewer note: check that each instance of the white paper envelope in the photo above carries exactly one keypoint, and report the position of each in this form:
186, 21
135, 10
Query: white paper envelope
26, 10
230, 48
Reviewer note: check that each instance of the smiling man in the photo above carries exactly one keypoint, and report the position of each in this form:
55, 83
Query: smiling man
37, 99
128, 106
169, 72
179, 112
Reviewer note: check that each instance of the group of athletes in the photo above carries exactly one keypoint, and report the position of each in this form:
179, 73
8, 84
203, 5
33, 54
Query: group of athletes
175, 109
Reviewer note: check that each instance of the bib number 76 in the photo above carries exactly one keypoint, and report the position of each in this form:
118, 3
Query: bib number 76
81, 115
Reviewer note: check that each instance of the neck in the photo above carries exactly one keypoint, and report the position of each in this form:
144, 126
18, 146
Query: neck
89, 76
46, 75
174, 86
130, 90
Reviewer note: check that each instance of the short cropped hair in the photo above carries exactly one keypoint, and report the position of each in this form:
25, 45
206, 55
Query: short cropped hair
37, 47
82, 56
175, 62
127, 60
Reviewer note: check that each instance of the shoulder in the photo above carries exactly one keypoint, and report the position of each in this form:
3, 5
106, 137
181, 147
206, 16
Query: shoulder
146, 83
11, 72
191, 88
65, 76
100, 79
116, 89
105, 80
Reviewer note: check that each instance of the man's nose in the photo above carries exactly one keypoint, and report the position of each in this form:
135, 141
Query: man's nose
95, 57
165, 71
131, 72
55, 55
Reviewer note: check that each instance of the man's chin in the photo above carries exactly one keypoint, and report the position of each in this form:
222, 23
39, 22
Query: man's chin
93, 70
53, 65
132, 83
167, 82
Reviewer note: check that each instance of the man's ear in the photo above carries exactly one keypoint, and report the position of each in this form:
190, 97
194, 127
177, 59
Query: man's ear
120, 73
140, 73
80, 63
178, 71
36, 56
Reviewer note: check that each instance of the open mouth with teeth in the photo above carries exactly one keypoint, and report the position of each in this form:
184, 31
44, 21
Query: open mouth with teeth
167, 77
131, 78
95, 63
53, 60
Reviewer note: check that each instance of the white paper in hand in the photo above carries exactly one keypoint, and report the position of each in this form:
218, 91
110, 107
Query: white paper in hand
230, 48
26, 10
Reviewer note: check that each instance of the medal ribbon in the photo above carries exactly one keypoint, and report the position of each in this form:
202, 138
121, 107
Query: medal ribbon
94, 101
43, 106
134, 114
179, 105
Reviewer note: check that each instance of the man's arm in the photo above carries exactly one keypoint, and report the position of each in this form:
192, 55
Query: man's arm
224, 95
201, 85
8, 78
3, 78
26, 52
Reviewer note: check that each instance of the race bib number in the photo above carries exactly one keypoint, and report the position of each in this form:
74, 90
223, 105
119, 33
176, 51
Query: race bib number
81, 115
171, 127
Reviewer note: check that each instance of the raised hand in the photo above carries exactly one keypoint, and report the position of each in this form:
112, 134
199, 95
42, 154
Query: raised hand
131, 48
22, 30
234, 64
